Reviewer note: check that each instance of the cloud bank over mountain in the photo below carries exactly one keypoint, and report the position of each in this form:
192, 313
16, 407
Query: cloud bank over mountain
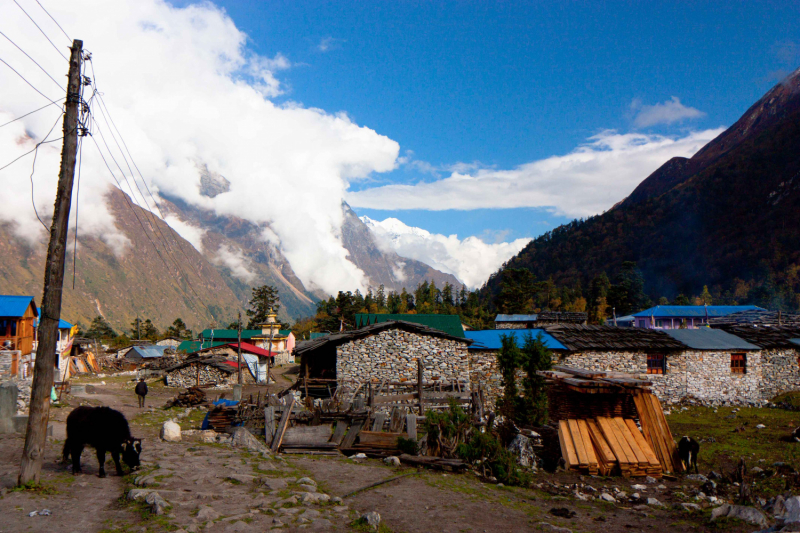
471, 260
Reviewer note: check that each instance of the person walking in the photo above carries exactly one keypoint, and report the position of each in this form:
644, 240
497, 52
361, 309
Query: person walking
141, 391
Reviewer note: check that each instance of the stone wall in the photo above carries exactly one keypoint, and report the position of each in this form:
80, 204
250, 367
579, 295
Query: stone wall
6, 357
392, 355
780, 372
187, 376
511, 325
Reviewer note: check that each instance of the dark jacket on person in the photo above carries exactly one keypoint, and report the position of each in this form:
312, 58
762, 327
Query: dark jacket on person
141, 388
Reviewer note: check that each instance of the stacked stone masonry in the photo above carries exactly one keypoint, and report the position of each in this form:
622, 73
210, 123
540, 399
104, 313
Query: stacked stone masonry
187, 377
392, 355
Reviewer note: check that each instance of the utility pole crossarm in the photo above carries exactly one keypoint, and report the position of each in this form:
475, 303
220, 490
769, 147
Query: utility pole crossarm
35, 437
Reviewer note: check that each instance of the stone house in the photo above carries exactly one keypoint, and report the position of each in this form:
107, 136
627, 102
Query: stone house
385, 351
257, 360
483, 367
779, 357
198, 370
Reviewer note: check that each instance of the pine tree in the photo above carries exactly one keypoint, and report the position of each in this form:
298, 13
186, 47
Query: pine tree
508, 359
536, 357
263, 299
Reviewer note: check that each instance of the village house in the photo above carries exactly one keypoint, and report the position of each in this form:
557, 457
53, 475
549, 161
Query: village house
171, 342
17, 315
280, 342
538, 320
257, 361
143, 353
202, 371
685, 316
66, 336
450, 324
387, 351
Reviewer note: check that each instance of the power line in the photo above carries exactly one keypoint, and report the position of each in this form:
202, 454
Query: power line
54, 20
33, 168
30, 113
32, 59
30, 151
29, 83
41, 30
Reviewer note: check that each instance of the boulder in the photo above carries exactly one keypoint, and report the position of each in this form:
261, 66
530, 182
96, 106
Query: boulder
209, 436
206, 513
654, 502
751, 515
372, 519
171, 432
242, 438
306, 481
522, 447
391, 461
606, 497
158, 505
791, 510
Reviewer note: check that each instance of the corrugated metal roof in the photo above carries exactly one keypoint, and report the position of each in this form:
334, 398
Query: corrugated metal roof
450, 324
710, 339
146, 352
62, 324
194, 345
515, 318
578, 338
490, 339
223, 334
674, 311
316, 335
15, 306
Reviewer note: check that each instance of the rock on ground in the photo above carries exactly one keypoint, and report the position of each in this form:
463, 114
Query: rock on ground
372, 519
751, 515
242, 438
391, 461
171, 432
522, 447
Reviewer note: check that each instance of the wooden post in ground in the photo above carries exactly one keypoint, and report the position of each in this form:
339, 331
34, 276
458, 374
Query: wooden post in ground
35, 437
419, 386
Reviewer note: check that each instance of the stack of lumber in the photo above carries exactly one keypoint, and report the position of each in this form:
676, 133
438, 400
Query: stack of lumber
309, 440
220, 418
607, 446
656, 430
188, 398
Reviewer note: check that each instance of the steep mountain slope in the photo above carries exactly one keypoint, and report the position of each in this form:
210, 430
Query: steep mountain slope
385, 267
121, 283
728, 217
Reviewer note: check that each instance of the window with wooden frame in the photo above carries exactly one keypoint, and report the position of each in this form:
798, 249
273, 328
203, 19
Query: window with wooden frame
738, 363
656, 363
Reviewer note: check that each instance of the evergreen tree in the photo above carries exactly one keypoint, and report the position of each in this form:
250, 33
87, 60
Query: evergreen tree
508, 359
516, 291
179, 329
598, 295
535, 356
100, 329
263, 299
380, 298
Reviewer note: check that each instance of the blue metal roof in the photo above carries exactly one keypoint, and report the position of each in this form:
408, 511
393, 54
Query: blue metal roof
710, 339
679, 311
489, 339
15, 306
515, 318
62, 324
146, 352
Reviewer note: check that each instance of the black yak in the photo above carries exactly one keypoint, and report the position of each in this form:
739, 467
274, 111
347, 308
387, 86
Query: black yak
104, 429
688, 448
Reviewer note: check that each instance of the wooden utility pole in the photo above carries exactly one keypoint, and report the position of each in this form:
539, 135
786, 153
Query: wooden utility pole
50, 312
239, 345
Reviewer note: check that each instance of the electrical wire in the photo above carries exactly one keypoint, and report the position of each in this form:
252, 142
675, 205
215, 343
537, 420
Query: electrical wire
30, 113
54, 20
41, 30
33, 168
29, 83
32, 59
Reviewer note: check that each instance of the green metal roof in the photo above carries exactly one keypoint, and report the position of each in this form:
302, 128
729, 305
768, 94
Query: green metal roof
450, 324
231, 334
193, 346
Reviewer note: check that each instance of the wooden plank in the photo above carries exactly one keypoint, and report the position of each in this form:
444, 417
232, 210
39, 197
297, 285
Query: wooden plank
642, 442
269, 424
395, 398
445, 395
379, 439
584, 383
411, 426
377, 424
600, 443
580, 372
307, 435
617, 449
641, 458
276, 442
397, 421
666, 435
567, 446
583, 428
338, 432
355, 429
657, 433
580, 448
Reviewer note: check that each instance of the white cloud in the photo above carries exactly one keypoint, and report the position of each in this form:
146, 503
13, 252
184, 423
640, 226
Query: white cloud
471, 260
193, 234
186, 92
587, 181
234, 260
329, 43
668, 112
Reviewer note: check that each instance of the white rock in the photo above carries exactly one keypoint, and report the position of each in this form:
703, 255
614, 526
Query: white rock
171, 432
760, 426
372, 519
306, 481
654, 502
639, 487
606, 497
391, 461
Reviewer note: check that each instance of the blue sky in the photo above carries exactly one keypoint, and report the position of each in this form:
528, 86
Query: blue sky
500, 85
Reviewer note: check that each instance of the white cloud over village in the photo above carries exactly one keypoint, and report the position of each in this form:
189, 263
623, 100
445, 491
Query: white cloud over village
587, 181
668, 112
189, 93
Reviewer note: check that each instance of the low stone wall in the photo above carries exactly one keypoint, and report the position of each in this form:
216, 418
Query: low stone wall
510, 325
392, 355
780, 372
187, 377
6, 357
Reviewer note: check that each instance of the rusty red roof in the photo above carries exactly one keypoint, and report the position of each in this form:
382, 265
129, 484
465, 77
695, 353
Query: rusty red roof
250, 348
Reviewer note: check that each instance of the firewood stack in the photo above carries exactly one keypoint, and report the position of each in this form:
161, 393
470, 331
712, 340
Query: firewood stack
188, 398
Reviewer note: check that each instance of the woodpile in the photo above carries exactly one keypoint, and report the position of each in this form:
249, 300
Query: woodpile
601, 437
188, 398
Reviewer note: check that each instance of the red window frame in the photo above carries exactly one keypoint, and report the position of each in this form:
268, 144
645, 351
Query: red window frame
739, 363
656, 363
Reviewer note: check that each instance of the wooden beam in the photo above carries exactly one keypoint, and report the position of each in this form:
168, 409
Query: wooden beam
276, 442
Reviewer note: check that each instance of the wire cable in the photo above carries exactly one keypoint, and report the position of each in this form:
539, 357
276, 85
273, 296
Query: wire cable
41, 30
26, 114
54, 20
31, 150
33, 168
32, 59
29, 83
